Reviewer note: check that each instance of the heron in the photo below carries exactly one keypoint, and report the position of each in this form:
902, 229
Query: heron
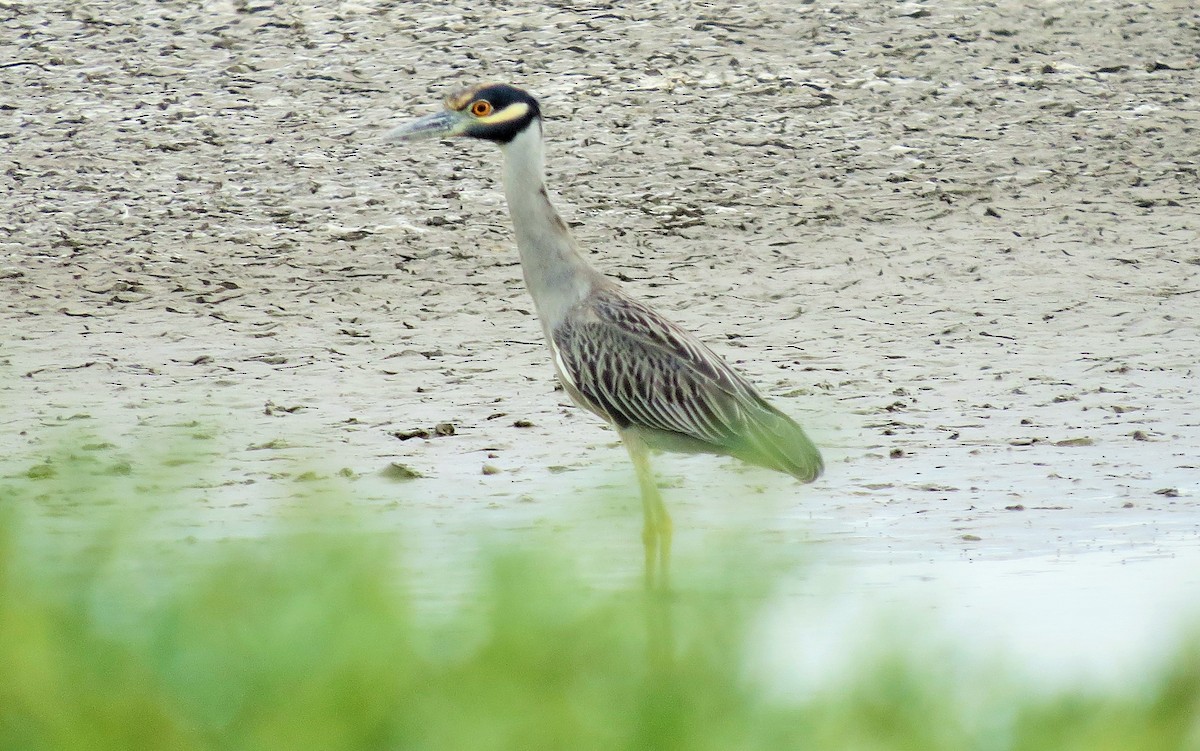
656, 384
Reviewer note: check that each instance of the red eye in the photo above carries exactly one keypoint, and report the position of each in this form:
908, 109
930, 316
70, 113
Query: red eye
481, 108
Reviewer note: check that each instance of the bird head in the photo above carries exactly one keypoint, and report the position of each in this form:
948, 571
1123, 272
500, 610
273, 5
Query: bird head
492, 111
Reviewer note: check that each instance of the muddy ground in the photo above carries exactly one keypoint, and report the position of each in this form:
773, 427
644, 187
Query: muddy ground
959, 242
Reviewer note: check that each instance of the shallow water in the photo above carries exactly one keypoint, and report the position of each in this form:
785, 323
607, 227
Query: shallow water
1104, 618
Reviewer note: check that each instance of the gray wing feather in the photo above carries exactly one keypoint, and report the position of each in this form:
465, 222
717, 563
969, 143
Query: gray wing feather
635, 368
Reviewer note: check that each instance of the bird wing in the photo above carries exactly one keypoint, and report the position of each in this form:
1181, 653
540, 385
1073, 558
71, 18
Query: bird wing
635, 367
631, 366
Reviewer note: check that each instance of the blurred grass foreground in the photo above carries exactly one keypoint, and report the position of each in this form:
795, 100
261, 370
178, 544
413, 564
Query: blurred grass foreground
310, 636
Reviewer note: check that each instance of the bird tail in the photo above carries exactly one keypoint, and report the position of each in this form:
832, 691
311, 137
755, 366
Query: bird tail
773, 440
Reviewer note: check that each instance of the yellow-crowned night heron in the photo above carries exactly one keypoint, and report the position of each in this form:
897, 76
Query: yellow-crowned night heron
658, 385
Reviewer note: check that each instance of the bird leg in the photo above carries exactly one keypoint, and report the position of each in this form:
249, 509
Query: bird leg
656, 534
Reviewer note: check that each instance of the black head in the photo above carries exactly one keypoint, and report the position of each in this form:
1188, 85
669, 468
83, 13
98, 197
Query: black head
494, 112
498, 111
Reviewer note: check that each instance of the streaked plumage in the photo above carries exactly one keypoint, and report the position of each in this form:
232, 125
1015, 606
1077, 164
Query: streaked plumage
626, 363
658, 385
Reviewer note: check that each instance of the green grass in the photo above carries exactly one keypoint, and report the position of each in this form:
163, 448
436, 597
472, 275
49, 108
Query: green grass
311, 638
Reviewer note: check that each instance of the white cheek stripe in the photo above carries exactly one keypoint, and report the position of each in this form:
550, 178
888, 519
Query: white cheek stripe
514, 111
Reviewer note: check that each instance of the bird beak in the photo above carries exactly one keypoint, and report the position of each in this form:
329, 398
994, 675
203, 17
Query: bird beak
438, 125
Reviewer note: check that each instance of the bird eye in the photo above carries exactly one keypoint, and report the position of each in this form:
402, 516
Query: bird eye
481, 108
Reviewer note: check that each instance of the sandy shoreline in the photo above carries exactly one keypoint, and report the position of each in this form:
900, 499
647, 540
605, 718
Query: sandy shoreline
960, 246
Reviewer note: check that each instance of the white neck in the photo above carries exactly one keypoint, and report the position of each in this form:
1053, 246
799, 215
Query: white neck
556, 273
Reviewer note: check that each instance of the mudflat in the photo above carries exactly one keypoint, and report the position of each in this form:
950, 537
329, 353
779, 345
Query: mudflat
960, 244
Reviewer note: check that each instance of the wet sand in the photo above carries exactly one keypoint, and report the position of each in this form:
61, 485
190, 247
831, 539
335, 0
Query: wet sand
960, 245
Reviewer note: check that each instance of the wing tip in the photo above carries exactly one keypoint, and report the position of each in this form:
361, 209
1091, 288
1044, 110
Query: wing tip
809, 472
778, 442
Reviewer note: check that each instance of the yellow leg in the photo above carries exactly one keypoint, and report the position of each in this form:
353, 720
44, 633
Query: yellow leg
649, 544
656, 533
